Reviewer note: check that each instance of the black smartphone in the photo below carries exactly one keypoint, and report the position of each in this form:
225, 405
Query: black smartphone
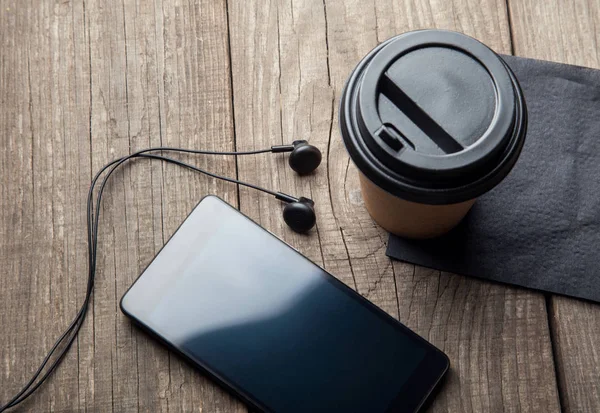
273, 327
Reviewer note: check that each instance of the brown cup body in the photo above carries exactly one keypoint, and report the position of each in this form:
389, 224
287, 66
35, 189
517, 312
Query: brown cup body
410, 219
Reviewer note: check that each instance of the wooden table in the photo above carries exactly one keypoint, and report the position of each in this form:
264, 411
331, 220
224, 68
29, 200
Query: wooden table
82, 82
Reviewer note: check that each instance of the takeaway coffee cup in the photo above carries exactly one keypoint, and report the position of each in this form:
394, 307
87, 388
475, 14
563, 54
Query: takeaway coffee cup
432, 119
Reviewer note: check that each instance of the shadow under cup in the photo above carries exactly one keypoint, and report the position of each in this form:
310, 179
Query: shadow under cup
432, 119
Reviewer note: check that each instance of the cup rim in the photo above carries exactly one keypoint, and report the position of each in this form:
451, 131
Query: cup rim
437, 189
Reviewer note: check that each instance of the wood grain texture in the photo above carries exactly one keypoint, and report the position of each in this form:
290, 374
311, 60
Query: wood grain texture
82, 82
195, 113
44, 133
567, 32
289, 63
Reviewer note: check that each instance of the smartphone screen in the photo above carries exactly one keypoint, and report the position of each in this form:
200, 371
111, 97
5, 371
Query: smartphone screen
274, 327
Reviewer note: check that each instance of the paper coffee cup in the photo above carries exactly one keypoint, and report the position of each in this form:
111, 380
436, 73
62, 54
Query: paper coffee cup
432, 119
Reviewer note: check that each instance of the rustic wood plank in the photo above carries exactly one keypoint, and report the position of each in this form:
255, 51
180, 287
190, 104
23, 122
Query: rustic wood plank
567, 32
497, 337
143, 196
289, 59
125, 117
196, 113
16, 204
163, 78
43, 89
114, 369
82, 83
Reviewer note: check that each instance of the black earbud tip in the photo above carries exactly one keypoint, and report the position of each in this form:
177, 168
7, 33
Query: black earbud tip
305, 159
299, 216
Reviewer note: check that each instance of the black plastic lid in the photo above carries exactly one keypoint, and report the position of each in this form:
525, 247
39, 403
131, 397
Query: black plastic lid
433, 117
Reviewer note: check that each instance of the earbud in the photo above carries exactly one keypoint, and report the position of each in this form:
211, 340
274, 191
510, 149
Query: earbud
299, 213
304, 158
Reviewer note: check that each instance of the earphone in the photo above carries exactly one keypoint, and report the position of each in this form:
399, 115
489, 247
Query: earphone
298, 214
304, 158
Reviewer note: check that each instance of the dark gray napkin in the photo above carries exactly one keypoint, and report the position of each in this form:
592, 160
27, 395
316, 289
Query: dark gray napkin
540, 227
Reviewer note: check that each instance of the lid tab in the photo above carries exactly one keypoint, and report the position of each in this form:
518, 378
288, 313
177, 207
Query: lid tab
417, 115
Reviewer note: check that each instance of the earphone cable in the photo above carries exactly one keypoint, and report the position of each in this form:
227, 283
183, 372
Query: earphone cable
93, 216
